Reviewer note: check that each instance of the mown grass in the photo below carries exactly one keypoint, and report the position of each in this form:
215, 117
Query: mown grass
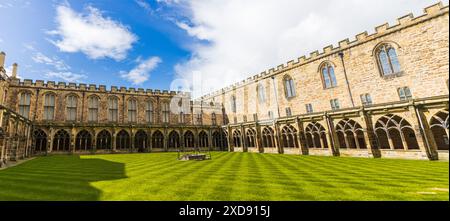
228, 177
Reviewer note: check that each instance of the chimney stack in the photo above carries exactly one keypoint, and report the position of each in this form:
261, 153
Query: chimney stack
2, 59
14, 70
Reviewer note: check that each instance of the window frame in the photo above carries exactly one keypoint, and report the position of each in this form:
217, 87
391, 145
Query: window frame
393, 62
289, 86
407, 96
25, 104
330, 75
93, 108
113, 109
48, 106
335, 105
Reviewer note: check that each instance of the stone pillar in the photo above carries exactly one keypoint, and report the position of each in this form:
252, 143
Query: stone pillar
347, 144
258, 140
277, 139
50, 141
391, 142
182, 143
423, 133
94, 141
2, 151
404, 143
301, 138
244, 139
165, 140
149, 140
332, 138
230, 140
72, 139
132, 141
210, 139
113, 141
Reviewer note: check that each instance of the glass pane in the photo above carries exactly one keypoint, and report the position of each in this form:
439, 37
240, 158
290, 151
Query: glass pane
394, 60
332, 76
385, 63
292, 86
326, 78
401, 93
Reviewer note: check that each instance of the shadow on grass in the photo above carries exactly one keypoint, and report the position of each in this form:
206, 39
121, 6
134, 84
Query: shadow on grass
57, 178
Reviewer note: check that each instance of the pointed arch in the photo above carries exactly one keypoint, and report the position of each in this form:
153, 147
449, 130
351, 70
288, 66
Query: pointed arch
439, 125
104, 140
350, 134
203, 139
123, 140
316, 136
189, 139
61, 141
251, 138
40, 140
394, 132
174, 140
289, 137
141, 141
83, 141
158, 139
237, 138
268, 139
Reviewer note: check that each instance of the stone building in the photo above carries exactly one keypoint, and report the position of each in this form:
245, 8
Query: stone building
380, 95
47, 117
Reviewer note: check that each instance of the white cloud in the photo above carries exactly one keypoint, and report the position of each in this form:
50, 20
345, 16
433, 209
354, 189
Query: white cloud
245, 38
143, 4
92, 34
141, 73
66, 76
57, 63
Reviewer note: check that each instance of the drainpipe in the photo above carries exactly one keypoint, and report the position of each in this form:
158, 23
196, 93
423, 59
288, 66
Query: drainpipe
341, 54
276, 95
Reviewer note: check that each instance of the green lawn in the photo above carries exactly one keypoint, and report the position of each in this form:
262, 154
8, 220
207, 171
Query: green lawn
228, 176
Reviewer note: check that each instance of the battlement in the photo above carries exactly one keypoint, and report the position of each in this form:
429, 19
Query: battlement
51, 85
432, 11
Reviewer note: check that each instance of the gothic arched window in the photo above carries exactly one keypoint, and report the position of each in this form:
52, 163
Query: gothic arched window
387, 60
328, 76
289, 87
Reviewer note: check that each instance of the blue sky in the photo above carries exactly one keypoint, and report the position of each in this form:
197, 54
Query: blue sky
149, 43
26, 36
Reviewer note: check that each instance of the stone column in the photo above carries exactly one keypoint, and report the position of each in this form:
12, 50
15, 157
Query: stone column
94, 141
165, 140
332, 138
301, 138
423, 133
277, 138
369, 134
113, 141
50, 140
355, 136
72, 139
347, 144
132, 141
244, 139
182, 143
2, 151
258, 140
149, 141
210, 139
230, 140
391, 142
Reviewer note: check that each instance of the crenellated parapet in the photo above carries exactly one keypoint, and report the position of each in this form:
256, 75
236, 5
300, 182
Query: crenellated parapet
403, 22
81, 87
